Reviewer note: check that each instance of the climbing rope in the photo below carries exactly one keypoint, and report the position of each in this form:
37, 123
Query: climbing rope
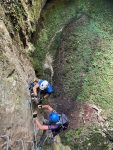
34, 128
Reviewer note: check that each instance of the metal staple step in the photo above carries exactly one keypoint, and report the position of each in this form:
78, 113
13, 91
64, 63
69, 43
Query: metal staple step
7, 140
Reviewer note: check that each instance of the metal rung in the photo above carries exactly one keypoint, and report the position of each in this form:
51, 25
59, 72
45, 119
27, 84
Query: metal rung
7, 138
33, 146
22, 144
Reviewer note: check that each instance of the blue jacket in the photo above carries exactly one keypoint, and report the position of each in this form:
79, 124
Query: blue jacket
48, 90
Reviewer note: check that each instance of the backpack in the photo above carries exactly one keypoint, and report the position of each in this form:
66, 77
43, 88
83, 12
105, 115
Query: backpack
62, 125
64, 122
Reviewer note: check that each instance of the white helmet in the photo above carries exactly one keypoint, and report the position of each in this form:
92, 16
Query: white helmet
44, 85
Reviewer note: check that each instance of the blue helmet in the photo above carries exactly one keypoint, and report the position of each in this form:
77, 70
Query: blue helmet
54, 117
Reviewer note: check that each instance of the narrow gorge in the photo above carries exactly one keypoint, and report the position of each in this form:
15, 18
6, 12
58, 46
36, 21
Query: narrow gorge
70, 44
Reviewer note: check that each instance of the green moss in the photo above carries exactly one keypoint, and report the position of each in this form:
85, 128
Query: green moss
88, 51
93, 61
35, 9
16, 13
21, 18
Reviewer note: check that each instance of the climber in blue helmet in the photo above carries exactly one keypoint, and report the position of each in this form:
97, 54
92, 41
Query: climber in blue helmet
53, 118
55, 121
44, 87
40, 89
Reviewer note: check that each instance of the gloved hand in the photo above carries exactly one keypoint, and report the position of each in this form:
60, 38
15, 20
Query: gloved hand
39, 106
34, 114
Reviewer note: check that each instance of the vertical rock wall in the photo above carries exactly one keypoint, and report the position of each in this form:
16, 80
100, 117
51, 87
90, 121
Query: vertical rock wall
17, 22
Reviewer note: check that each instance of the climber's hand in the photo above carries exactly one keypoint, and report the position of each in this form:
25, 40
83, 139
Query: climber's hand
39, 106
34, 114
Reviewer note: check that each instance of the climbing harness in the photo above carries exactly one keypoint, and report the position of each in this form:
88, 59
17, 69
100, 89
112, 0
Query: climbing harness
65, 122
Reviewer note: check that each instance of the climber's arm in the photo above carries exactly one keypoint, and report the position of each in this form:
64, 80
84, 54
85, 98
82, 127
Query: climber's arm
35, 89
40, 126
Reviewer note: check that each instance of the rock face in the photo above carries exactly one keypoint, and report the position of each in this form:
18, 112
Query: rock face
16, 25
20, 17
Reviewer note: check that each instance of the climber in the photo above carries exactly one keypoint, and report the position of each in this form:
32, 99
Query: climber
43, 87
56, 122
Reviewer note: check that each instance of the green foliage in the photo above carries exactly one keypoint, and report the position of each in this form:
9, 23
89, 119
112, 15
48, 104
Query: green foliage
95, 139
38, 55
82, 138
34, 11
16, 14
70, 137
88, 49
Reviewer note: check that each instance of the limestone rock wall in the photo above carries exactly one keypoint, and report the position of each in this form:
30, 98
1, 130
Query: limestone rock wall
17, 22
20, 17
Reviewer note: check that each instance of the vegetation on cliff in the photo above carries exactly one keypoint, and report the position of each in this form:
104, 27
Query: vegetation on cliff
79, 36
21, 17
